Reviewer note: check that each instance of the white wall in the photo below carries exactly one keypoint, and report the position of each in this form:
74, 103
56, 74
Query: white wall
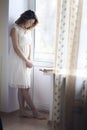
43, 87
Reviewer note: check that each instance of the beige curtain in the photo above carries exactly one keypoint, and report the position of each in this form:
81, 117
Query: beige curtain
66, 55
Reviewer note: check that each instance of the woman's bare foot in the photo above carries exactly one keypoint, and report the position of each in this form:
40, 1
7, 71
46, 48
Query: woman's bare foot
25, 114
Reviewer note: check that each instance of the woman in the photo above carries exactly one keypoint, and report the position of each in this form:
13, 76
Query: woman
20, 63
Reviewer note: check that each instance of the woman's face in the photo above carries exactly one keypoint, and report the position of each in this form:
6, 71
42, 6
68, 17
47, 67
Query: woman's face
29, 23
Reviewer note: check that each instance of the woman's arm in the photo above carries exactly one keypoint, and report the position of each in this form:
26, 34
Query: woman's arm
29, 57
19, 52
14, 37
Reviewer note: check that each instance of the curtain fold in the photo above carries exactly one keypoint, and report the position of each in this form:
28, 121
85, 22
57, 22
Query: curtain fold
67, 44
72, 57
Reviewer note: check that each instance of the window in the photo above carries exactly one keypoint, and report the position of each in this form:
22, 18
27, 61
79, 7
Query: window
82, 56
45, 32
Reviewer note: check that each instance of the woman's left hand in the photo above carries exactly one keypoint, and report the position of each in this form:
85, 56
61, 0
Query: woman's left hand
29, 64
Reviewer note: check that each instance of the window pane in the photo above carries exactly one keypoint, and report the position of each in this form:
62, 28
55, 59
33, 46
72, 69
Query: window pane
46, 30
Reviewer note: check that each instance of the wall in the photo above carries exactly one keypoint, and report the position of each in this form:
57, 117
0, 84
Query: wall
43, 89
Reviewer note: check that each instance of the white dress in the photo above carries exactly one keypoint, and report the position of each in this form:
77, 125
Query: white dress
19, 74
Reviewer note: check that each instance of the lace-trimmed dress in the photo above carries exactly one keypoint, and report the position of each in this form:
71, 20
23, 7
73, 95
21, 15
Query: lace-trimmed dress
19, 74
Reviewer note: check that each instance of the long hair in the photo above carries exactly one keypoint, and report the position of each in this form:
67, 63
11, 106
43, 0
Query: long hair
27, 15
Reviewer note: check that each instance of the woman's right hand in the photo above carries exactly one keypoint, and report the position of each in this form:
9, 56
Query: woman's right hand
29, 64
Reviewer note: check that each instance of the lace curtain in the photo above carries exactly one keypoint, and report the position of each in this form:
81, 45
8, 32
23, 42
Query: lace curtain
69, 14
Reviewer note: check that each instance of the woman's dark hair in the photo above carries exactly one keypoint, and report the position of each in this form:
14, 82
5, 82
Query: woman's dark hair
27, 15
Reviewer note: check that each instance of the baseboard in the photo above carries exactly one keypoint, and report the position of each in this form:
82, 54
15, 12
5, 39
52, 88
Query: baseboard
5, 113
43, 107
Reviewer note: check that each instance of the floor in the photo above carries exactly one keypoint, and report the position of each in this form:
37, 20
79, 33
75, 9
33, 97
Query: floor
80, 119
12, 121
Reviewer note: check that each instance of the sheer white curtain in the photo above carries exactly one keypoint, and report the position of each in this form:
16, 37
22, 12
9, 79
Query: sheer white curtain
67, 43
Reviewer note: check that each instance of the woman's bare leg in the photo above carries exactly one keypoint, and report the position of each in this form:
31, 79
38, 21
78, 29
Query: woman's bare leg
28, 99
21, 100
30, 103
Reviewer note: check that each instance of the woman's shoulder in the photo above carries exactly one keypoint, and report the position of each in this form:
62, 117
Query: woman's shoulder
13, 29
14, 26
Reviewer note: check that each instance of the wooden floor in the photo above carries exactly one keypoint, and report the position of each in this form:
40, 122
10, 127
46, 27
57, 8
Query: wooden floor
12, 121
80, 121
